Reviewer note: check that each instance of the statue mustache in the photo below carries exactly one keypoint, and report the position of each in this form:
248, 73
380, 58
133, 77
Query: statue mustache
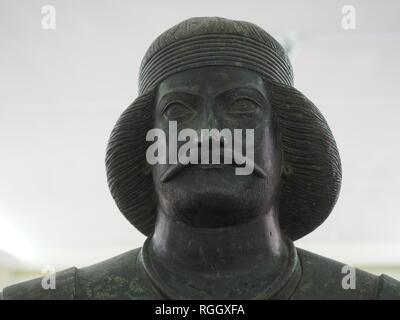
174, 169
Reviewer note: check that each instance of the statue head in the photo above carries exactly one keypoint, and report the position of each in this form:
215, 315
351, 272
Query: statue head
214, 73
229, 101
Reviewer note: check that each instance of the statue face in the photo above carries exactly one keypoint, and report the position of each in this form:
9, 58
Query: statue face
214, 195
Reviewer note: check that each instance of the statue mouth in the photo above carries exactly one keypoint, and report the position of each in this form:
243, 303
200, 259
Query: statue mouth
210, 166
174, 169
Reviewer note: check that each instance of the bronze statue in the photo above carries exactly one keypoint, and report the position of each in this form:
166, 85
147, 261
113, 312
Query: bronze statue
213, 234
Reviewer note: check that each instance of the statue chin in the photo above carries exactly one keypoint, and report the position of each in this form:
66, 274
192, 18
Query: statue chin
213, 206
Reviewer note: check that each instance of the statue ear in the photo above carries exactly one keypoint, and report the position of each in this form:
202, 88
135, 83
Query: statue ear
311, 168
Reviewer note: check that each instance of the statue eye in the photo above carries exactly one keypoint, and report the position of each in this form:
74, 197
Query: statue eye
244, 106
176, 111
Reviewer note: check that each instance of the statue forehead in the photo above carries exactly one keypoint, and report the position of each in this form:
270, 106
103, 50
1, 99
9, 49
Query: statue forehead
211, 80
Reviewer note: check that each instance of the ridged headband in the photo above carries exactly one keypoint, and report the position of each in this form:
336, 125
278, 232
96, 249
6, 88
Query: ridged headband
199, 42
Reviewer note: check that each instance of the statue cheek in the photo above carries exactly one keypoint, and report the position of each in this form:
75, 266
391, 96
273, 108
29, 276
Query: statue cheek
266, 151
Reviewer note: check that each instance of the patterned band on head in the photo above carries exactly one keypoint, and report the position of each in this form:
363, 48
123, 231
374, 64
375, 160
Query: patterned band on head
214, 42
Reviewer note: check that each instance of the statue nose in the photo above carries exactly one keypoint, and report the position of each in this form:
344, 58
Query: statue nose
210, 149
210, 119
210, 139
212, 122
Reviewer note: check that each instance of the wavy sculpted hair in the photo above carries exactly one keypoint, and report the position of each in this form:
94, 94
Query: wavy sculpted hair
310, 173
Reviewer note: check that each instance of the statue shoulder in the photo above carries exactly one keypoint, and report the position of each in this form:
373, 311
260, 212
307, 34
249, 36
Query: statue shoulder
115, 278
35, 290
388, 288
324, 278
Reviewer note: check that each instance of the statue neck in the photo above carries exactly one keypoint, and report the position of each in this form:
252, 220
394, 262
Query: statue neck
213, 250
248, 261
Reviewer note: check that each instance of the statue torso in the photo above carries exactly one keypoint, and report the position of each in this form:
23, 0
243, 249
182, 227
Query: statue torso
123, 277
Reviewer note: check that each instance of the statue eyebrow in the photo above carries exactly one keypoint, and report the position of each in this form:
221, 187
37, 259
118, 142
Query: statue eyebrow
179, 93
251, 90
